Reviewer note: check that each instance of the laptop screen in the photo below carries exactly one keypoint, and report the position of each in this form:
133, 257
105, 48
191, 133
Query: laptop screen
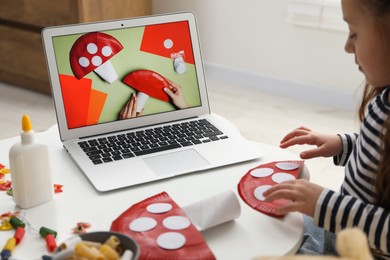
125, 73
121, 74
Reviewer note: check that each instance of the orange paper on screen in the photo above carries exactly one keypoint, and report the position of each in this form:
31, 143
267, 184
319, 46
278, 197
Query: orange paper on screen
76, 95
96, 104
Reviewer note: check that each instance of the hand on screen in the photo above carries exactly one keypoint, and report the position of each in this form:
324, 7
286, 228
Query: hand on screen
176, 94
130, 108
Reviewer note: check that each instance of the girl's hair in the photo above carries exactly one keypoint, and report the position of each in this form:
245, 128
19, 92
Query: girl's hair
380, 9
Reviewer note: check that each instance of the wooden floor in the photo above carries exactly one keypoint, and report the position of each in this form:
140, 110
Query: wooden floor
259, 116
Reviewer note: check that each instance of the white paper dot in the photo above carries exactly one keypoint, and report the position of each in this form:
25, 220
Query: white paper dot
142, 224
106, 51
158, 208
171, 240
262, 172
96, 60
92, 48
287, 166
84, 62
282, 177
258, 192
168, 43
176, 222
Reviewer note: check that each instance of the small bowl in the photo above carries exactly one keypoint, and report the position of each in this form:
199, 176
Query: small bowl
126, 242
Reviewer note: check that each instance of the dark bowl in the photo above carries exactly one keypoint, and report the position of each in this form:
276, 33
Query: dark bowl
126, 242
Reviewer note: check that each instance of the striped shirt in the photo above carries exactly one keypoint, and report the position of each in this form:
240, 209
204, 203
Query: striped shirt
354, 205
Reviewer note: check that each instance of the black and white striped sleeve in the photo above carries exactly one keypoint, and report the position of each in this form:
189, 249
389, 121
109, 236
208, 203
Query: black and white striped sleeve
348, 141
335, 212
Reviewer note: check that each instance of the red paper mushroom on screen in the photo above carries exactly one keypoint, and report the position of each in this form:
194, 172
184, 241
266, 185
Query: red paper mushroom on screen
92, 52
148, 83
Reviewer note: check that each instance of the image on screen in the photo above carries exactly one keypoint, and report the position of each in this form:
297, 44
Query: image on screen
125, 73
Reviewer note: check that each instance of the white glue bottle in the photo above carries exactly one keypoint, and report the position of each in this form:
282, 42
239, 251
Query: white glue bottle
30, 169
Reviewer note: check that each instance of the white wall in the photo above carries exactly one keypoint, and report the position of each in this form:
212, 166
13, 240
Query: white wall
250, 41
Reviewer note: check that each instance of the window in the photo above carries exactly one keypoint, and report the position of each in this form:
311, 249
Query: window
322, 14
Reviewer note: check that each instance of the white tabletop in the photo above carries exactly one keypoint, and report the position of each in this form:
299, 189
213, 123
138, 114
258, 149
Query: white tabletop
252, 234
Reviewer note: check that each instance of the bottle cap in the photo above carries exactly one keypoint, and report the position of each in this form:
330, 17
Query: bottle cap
26, 124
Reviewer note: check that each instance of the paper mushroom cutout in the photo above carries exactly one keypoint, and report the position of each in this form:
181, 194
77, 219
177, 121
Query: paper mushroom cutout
148, 83
92, 52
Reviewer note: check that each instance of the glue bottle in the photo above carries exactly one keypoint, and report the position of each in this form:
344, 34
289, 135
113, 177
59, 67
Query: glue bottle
30, 169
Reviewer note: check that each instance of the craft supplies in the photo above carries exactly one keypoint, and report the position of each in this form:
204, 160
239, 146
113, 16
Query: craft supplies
19, 222
109, 246
162, 229
31, 175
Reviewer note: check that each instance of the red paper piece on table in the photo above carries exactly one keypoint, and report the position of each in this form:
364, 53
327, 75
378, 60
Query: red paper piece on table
58, 188
249, 183
178, 35
195, 246
5, 185
76, 95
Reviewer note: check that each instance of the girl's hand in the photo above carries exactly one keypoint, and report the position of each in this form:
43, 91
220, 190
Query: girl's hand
302, 194
327, 145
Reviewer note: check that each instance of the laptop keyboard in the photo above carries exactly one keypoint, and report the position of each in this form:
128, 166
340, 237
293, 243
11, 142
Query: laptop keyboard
127, 145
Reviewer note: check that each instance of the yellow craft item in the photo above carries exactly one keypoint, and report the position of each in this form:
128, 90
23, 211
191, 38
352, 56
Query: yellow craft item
109, 252
88, 252
5, 171
6, 225
10, 245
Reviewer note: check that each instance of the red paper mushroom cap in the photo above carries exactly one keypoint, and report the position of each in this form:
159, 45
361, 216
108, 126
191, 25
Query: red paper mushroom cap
92, 50
149, 82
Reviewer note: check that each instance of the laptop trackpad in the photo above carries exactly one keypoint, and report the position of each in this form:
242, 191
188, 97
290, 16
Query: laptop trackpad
176, 162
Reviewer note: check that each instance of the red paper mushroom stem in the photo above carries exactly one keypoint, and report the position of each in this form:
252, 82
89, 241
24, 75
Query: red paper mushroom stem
92, 52
147, 83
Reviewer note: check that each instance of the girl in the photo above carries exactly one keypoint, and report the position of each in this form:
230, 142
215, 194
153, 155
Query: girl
364, 198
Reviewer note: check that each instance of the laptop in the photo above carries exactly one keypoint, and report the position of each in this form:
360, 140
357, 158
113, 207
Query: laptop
131, 101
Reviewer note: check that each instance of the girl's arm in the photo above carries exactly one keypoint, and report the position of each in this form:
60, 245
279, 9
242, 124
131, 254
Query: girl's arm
335, 212
348, 143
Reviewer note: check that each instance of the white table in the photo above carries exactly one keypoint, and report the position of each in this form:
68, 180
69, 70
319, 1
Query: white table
252, 234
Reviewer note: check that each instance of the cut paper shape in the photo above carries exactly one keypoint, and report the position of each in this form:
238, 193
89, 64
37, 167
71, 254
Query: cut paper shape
287, 166
92, 52
158, 208
76, 95
147, 83
171, 240
83, 105
251, 188
282, 177
142, 224
164, 39
258, 192
193, 247
262, 172
95, 108
176, 222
